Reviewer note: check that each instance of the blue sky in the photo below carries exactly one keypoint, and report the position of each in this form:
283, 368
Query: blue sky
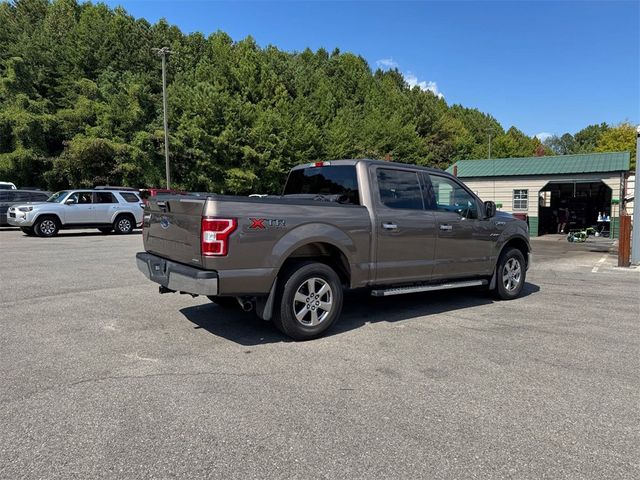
541, 66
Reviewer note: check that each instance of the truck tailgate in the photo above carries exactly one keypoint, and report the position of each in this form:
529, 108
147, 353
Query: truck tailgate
173, 229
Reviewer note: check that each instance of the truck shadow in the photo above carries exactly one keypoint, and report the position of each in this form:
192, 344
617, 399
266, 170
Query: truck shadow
360, 308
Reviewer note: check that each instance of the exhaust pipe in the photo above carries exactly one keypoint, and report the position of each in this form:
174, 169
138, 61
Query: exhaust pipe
246, 305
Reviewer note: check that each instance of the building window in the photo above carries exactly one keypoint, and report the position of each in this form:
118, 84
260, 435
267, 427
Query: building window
521, 199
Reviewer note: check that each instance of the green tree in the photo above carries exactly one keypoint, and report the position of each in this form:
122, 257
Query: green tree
621, 138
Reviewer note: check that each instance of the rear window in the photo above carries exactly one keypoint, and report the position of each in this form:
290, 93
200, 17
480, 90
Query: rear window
130, 197
105, 197
337, 183
400, 189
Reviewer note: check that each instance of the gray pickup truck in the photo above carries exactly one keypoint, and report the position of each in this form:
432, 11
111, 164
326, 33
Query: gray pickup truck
389, 227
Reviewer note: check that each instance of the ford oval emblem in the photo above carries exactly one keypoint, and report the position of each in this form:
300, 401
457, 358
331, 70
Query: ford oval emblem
164, 222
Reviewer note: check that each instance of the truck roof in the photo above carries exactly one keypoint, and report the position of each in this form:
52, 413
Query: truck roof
354, 161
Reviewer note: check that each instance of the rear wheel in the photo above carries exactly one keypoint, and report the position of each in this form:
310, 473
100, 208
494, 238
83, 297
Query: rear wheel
123, 224
310, 301
105, 229
47, 226
29, 231
510, 274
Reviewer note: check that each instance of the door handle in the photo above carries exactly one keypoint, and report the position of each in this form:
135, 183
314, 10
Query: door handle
446, 228
389, 226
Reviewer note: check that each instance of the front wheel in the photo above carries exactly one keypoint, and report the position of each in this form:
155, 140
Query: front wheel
310, 301
47, 226
510, 274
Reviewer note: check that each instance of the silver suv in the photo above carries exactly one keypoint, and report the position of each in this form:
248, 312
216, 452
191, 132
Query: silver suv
104, 209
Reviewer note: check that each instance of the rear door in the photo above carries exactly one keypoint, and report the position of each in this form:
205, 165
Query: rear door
105, 205
464, 244
405, 229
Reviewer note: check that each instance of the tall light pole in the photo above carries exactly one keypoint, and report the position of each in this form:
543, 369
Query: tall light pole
635, 233
162, 53
490, 132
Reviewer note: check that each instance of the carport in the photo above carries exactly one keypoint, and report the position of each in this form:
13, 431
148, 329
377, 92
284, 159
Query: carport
585, 200
538, 187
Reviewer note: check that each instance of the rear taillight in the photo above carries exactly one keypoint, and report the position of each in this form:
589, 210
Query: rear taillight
214, 240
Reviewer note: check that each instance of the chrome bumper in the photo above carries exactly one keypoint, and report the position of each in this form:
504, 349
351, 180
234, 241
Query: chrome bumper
176, 276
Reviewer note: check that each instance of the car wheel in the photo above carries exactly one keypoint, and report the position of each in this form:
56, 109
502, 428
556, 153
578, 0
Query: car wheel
28, 231
123, 224
105, 230
47, 226
224, 302
310, 301
510, 274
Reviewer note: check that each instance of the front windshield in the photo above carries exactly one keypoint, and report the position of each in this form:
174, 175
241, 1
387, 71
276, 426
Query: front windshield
58, 197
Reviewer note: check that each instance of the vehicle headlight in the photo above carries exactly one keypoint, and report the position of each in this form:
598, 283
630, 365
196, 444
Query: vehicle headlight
25, 209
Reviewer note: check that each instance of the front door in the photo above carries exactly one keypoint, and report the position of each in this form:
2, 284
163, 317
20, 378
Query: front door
81, 209
464, 244
405, 230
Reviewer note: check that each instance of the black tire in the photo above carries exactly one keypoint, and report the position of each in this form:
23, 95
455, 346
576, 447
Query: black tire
511, 274
105, 230
313, 291
124, 224
224, 302
47, 226
29, 231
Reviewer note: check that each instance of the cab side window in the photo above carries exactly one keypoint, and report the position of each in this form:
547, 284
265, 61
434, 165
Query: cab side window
449, 196
399, 189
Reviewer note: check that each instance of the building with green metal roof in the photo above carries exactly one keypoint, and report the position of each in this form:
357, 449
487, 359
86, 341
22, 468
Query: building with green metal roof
584, 188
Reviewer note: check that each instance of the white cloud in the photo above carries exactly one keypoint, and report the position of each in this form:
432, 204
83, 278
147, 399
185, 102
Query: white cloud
427, 86
387, 63
542, 136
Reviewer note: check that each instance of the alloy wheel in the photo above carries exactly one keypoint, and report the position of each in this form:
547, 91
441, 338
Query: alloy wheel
47, 227
511, 274
313, 302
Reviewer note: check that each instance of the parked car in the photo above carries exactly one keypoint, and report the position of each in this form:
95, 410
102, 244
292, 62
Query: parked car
106, 210
390, 227
7, 186
9, 198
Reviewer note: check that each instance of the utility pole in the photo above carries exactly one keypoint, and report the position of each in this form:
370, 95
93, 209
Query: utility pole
490, 144
635, 232
162, 53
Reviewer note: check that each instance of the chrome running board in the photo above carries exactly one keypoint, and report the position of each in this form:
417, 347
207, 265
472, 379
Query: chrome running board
427, 288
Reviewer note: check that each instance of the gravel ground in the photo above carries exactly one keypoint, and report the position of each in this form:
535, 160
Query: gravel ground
101, 377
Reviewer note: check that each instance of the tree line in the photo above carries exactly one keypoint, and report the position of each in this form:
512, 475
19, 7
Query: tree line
80, 105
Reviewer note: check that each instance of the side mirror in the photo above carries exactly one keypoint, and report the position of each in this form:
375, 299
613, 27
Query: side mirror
70, 201
490, 209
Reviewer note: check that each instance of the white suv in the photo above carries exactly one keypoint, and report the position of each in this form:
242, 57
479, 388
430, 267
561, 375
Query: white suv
104, 209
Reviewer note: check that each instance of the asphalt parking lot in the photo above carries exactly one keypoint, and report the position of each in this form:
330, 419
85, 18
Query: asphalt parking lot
101, 377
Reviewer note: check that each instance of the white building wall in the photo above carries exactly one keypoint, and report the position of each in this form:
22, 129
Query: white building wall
500, 189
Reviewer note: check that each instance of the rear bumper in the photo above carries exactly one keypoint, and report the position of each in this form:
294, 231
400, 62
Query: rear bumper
176, 276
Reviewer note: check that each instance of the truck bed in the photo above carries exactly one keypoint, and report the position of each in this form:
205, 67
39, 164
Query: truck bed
268, 230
